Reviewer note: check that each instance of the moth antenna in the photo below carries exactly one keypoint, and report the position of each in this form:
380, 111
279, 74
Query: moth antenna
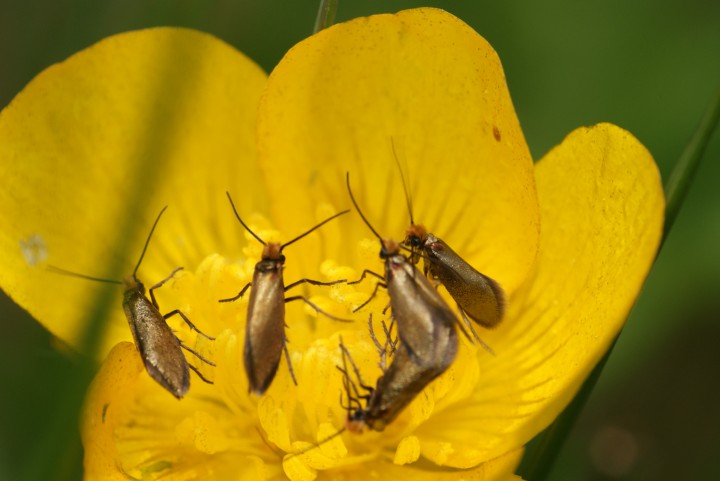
346, 378
419, 253
404, 184
351, 400
317, 444
243, 223
347, 181
65, 272
147, 241
313, 228
351, 389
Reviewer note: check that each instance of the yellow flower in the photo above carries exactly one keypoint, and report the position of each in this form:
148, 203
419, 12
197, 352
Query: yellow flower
94, 146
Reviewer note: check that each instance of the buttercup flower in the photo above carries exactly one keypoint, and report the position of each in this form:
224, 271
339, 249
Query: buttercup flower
95, 146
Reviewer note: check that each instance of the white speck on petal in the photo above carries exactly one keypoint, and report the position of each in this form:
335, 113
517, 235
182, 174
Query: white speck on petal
33, 249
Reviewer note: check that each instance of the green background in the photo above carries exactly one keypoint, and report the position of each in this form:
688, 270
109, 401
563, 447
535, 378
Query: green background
650, 66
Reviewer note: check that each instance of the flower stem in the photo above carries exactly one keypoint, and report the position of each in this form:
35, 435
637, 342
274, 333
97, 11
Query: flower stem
326, 15
543, 450
678, 184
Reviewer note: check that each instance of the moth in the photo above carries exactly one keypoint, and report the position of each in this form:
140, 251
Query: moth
427, 337
159, 347
265, 339
478, 297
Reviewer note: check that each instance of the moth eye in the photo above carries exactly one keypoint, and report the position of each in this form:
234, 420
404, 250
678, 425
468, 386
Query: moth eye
282, 258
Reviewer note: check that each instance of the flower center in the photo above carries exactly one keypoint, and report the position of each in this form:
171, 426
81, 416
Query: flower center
303, 426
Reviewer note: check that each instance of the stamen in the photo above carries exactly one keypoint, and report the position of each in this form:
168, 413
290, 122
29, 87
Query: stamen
309, 418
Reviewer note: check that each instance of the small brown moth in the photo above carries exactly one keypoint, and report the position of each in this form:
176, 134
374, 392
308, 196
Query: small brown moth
265, 339
159, 347
426, 329
398, 385
395, 389
478, 297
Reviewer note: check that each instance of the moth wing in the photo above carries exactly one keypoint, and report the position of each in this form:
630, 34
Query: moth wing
480, 297
158, 346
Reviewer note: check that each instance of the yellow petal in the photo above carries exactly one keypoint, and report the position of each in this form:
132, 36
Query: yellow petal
106, 405
498, 469
602, 214
133, 428
92, 149
425, 80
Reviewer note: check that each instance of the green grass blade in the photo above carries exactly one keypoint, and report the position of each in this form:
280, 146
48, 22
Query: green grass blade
326, 15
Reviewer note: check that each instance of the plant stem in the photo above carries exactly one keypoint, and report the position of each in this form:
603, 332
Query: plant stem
326, 15
678, 184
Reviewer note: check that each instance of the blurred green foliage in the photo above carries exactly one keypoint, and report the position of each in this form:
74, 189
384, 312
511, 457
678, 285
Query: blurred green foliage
649, 66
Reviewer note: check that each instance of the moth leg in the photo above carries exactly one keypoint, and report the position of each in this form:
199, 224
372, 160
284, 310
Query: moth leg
374, 293
426, 267
187, 321
352, 404
415, 255
287, 358
200, 375
464, 329
314, 283
316, 308
151, 291
354, 397
346, 355
384, 349
390, 342
239, 295
469, 325
196, 354
372, 333
364, 274
351, 391
381, 349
